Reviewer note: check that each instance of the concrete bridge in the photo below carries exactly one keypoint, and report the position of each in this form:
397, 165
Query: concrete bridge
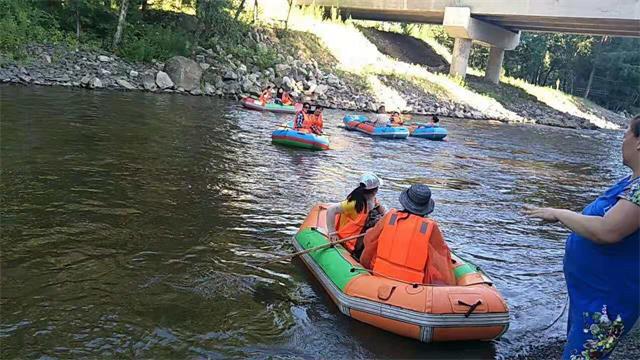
497, 23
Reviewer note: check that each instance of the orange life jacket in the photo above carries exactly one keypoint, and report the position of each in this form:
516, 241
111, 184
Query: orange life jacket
351, 227
286, 99
309, 121
411, 246
265, 97
318, 121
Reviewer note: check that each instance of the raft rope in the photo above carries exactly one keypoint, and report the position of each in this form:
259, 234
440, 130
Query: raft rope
564, 310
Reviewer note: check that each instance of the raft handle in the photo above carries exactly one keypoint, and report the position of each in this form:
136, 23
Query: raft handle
471, 307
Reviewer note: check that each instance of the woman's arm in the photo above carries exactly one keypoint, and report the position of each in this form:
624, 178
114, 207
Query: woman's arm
332, 211
617, 223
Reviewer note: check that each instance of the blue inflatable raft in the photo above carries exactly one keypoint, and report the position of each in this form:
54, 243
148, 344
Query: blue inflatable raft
363, 124
428, 132
299, 139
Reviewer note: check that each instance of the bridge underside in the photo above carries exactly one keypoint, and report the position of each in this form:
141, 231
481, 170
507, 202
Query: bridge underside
591, 26
497, 23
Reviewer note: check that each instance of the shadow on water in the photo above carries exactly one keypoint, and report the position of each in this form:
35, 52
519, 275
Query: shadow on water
137, 225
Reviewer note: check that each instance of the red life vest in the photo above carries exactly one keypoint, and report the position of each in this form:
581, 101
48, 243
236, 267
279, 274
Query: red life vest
405, 245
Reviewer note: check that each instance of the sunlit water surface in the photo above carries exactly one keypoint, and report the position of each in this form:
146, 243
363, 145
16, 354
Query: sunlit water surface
137, 225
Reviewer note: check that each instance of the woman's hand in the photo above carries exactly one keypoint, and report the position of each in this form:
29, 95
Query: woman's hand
546, 214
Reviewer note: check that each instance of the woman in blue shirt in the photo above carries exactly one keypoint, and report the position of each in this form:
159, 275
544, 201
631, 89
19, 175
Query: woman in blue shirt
602, 260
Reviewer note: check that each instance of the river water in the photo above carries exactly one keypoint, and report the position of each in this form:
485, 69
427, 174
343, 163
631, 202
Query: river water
137, 225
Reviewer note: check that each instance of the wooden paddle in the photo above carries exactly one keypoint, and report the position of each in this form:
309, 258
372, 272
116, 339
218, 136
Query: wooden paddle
329, 244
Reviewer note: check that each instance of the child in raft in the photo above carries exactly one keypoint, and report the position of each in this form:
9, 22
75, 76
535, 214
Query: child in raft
265, 96
434, 121
317, 124
359, 212
283, 97
396, 119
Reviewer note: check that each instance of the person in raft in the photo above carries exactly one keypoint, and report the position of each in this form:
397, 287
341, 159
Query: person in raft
283, 97
265, 96
359, 212
396, 119
302, 117
381, 117
316, 123
434, 121
602, 260
408, 246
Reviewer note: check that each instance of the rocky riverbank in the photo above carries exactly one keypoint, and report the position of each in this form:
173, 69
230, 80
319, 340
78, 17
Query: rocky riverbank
309, 76
211, 72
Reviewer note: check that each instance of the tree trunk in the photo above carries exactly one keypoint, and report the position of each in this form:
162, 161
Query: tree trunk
593, 70
286, 23
121, 20
546, 76
240, 7
78, 20
255, 11
144, 6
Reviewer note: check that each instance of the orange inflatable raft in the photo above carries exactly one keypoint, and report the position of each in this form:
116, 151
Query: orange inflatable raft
471, 310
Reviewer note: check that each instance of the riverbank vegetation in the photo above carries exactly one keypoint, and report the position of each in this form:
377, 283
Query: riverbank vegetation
546, 77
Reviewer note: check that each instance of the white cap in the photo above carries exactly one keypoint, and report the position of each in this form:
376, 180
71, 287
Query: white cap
370, 181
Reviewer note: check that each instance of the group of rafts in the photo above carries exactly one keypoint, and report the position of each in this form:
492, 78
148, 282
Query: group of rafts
471, 308
306, 129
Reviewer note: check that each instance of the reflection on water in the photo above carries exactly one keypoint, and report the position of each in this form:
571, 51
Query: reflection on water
137, 225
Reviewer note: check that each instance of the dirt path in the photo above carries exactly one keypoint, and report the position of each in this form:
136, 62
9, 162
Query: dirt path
406, 48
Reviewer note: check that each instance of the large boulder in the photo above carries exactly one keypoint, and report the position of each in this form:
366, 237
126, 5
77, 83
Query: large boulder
184, 72
247, 85
149, 82
163, 80
288, 83
333, 80
125, 84
321, 89
94, 83
209, 89
282, 69
229, 75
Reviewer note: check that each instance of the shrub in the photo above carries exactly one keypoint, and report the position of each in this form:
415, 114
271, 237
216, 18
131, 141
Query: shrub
22, 23
144, 42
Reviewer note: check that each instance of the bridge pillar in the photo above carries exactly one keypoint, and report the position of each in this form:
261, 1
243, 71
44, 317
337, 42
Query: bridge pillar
460, 57
494, 65
459, 24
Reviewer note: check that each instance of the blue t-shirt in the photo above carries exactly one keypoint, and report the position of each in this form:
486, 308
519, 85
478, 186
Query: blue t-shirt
600, 276
607, 267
